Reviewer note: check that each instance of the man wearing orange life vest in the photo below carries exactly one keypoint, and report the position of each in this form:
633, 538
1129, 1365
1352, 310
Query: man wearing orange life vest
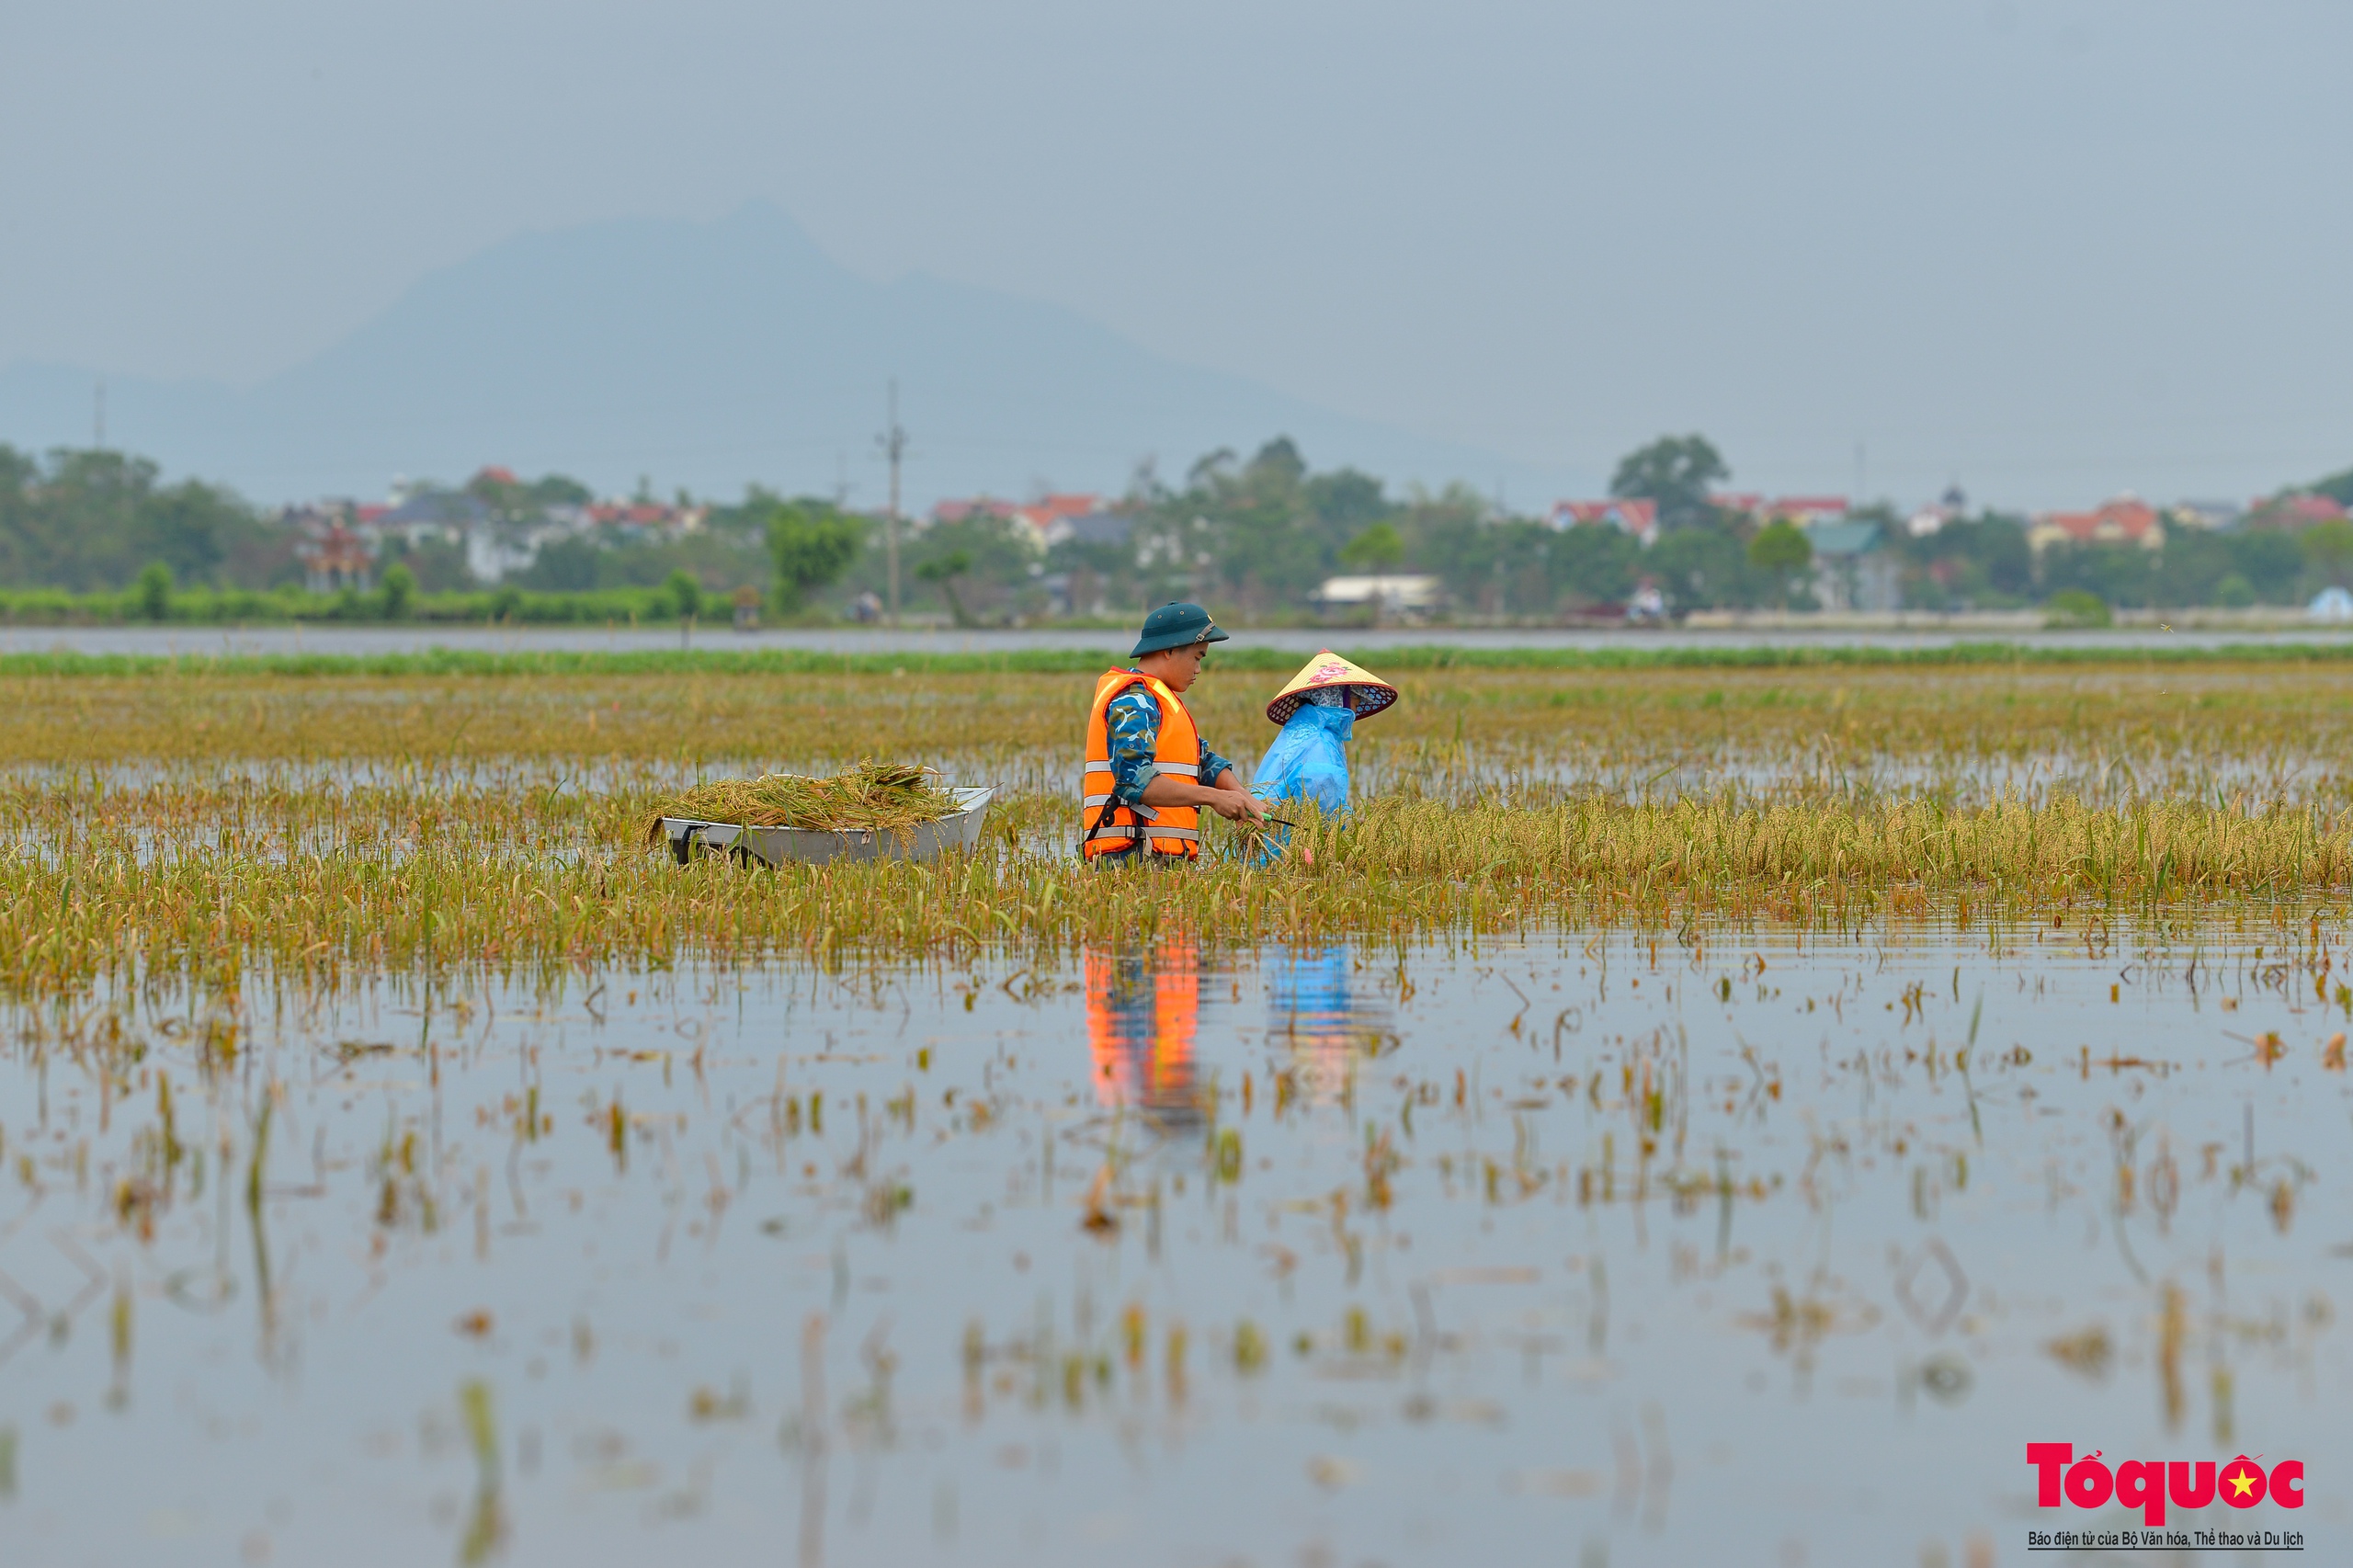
1148, 772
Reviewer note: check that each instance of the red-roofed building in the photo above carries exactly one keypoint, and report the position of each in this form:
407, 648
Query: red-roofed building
1754, 506
1040, 521
334, 556
1807, 510
2295, 511
1639, 518
978, 507
1050, 514
2128, 519
1046, 508
635, 519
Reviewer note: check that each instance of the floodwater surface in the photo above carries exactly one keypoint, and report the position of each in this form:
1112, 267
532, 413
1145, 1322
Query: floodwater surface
1741, 1247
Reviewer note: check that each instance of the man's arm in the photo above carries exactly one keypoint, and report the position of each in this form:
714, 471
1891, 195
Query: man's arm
1133, 727
1132, 722
1223, 794
1227, 797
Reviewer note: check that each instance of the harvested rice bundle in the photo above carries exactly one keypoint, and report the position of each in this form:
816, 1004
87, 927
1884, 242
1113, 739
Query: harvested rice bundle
892, 797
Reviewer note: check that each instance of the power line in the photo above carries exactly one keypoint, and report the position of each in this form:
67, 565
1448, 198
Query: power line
893, 442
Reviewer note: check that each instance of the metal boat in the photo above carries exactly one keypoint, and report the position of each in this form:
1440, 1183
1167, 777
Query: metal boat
775, 846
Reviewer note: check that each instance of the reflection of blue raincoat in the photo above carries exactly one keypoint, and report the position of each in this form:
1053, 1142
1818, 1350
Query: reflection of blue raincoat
1316, 1020
1307, 994
1308, 762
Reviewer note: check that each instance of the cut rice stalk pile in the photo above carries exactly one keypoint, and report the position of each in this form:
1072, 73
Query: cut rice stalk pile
888, 797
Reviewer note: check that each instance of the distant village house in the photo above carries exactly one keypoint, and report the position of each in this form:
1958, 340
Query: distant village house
1853, 569
2128, 519
1387, 593
342, 541
333, 553
1041, 524
2213, 517
2295, 511
1639, 518
1930, 519
1805, 511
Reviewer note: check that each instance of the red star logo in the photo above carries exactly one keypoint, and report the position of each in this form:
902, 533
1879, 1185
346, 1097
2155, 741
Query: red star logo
2241, 1481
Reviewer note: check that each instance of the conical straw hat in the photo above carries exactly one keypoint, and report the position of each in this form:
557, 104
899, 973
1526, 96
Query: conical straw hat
1327, 669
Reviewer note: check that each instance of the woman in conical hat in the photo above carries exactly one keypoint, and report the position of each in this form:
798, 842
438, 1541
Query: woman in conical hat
1318, 712
1331, 681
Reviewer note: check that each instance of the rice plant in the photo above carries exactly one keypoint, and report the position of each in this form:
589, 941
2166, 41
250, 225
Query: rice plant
215, 826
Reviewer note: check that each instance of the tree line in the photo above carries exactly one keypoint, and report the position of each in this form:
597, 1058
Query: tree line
1257, 537
1254, 537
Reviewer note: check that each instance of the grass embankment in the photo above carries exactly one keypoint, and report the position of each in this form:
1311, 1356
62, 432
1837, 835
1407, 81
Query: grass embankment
213, 826
186, 608
719, 656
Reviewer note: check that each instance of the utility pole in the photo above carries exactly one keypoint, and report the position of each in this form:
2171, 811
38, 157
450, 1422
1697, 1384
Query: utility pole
893, 442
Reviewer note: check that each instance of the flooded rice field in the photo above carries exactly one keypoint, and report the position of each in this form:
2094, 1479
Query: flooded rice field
1757, 1246
1778, 1116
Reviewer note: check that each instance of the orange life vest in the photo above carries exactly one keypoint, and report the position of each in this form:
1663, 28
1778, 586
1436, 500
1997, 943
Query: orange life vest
1108, 827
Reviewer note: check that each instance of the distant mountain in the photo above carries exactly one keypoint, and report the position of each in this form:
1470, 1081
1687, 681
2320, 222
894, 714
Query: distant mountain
708, 355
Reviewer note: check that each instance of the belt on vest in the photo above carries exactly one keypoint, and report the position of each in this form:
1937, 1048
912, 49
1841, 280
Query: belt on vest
1095, 802
1146, 832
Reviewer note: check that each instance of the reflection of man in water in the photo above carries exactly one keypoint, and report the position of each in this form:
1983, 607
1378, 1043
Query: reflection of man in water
1143, 1006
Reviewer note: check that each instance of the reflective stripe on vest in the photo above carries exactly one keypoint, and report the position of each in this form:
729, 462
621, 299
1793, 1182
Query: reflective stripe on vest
1104, 770
1104, 825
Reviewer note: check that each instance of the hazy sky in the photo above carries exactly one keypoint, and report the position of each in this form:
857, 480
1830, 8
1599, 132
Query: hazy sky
2049, 248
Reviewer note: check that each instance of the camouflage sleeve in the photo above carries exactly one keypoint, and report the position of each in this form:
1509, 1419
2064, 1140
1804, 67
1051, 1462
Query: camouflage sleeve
1132, 722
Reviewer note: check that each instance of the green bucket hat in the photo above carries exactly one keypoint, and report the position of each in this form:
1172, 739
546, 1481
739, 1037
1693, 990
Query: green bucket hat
1175, 625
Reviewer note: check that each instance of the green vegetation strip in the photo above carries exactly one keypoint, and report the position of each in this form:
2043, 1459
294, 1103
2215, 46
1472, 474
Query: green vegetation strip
1055, 661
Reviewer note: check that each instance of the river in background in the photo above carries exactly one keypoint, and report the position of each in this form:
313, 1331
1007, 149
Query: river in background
1756, 1247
